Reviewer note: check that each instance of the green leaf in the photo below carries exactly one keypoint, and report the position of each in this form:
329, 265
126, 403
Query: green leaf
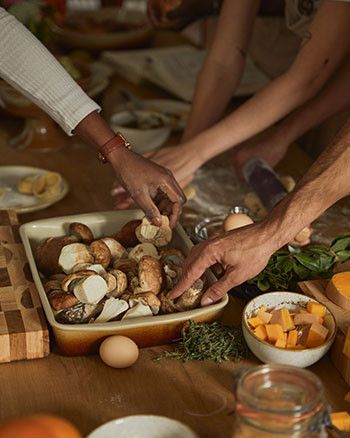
343, 256
307, 261
340, 243
300, 270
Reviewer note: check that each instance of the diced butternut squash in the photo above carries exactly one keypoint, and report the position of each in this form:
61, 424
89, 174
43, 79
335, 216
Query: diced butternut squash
346, 348
341, 420
283, 318
316, 335
280, 343
292, 339
274, 332
316, 308
338, 289
255, 322
260, 332
263, 308
306, 319
264, 316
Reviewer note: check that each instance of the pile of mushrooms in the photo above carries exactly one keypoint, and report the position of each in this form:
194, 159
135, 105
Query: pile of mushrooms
113, 278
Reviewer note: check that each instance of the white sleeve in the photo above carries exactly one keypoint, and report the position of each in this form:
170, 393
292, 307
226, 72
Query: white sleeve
30, 68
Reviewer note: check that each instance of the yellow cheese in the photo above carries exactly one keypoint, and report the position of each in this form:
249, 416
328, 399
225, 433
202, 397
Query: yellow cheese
255, 322
316, 335
283, 318
338, 289
274, 332
341, 420
316, 308
260, 332
280, 343
346, 348
292, 339
264, 316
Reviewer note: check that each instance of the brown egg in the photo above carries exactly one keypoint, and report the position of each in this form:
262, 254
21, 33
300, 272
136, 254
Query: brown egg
236, 220
119, 351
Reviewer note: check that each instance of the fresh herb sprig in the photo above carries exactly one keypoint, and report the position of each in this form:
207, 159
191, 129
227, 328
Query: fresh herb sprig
208, 341
285, 269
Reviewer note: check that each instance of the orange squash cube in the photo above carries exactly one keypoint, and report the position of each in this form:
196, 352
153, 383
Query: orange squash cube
274, 332
316, 308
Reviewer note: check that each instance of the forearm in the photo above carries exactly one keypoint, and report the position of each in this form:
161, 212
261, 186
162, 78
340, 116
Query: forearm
334, 98
28, 66
327, 181
94, 130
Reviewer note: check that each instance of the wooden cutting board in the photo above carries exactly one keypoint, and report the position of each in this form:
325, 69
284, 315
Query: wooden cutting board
316, 289
23, 329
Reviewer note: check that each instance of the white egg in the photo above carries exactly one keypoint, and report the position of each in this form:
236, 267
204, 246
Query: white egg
119, 351
236, 220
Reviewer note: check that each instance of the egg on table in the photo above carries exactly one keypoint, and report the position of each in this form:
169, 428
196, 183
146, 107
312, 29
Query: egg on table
236, 220
119, 351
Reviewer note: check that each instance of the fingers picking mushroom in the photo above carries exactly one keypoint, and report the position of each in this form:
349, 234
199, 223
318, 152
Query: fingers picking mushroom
149, 233
192, 297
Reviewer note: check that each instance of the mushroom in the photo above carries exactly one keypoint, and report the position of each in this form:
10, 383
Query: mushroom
99, 269
126, 265
141, 250
149, 233
116, 249
133, 281
121, 282
112, 308
126, 296
80, 313
82, 232
68, 282
150, 274
111, 282
146, 298
72, 255
139, 310
166, 304
52, 285
172, 256
100, 253
126, 236
48, 252
191, 298
91, 289
61, 300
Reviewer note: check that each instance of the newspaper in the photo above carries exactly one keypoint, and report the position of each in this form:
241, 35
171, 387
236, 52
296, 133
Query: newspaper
175, 69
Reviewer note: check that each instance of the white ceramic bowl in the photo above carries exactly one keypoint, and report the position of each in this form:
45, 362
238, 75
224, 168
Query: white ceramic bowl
270, 354
142, 140
143, 426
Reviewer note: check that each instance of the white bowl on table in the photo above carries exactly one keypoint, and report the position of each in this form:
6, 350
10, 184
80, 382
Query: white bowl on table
269, 353
154, 133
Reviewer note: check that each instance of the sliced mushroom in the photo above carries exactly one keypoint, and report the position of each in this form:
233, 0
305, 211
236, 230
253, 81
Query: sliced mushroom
121, 283
150, 274
137, 311
61, 300
149, 233
78, 314
126, 295
48, 252
72, 255
191, 298
112, 308
99, 269
52, 285
90, 290
111, 283
82, 232
126, 265
116, 249
141, 250
146, 298
126, 236
166, 304
67, 284
100, 253
133, 282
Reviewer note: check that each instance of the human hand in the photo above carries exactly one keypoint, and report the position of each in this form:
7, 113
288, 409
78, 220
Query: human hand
176, 14
151, 186
242, 253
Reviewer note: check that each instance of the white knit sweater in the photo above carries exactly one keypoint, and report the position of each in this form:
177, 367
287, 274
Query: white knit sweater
28, 66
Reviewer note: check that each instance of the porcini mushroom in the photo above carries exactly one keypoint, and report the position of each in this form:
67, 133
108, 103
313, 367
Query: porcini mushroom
149, 233
146, 298
191, 298
67, 284
121, 283
61, 300
78, 314
90, 290
100, 253
139, 310
82, 232
126, 236
116, 249
72, 255
150, 274
48, 252
141, 250
112, 308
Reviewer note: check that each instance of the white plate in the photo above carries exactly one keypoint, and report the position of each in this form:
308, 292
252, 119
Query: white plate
143, 426
11, 198
170, 107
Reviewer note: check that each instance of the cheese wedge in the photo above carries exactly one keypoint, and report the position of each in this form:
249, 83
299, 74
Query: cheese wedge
338, 289
283, 318
341, 420
316, 335
316, 308
346, 348
274, 332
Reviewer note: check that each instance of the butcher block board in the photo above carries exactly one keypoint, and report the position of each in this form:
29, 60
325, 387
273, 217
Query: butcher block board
23, 329
317, 289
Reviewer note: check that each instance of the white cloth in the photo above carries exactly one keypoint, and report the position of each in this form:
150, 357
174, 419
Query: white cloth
30, 68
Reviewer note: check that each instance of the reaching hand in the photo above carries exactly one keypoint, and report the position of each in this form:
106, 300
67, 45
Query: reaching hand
243, 253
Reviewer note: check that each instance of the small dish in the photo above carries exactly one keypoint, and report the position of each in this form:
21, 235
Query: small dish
146, 130
11, 198
270, 354
143, 426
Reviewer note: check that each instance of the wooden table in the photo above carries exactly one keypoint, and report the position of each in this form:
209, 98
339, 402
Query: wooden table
83, 389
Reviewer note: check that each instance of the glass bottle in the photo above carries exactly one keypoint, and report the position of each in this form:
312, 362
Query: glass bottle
275, 401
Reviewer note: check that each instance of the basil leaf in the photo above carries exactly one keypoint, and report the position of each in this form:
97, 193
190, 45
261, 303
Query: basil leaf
307, 261
343, 256
263, 285
300, 270
340, 243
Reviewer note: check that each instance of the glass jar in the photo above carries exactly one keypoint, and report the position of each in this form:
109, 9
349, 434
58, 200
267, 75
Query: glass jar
279, 401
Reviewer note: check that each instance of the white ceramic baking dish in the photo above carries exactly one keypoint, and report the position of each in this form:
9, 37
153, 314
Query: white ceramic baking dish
78, 339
